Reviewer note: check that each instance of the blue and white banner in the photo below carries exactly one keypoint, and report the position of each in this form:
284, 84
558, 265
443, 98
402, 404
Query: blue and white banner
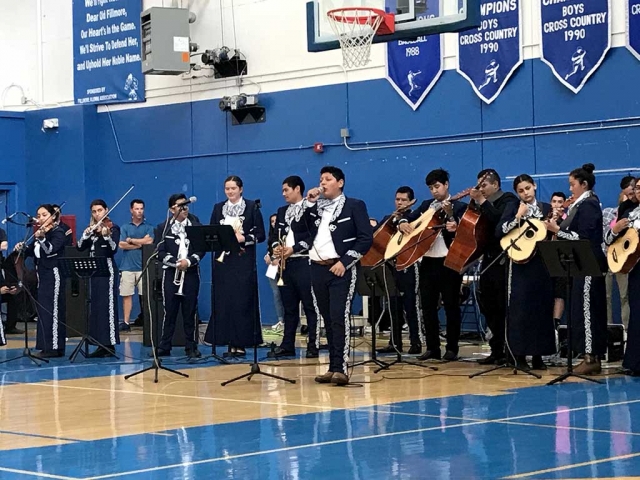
633, 27
107, 63
488, 55
414, 66
576, 36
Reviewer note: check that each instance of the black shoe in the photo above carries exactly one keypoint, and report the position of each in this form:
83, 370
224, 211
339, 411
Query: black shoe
101, 352
521, 363
537, 363
389, 349
430, 355
195, 353
491, 360
139, 321
415, 349
450, 356
50, 354
160, 352
280, 352
312, 352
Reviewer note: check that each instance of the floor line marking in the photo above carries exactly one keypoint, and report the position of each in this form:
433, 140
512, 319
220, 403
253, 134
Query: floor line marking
37, 435
172, 395
36, 474
575, 465
564, 427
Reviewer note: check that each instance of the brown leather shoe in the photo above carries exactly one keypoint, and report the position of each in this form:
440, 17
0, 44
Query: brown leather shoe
339, 379
326, 378
590, 366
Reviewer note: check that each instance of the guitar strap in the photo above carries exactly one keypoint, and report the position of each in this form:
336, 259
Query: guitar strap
572, 211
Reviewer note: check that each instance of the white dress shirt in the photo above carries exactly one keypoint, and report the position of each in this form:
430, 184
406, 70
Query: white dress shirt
323, 247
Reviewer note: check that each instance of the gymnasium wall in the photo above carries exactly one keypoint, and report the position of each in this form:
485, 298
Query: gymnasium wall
535, 126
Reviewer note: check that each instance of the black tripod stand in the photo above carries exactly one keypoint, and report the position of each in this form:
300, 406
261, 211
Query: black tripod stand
570, 259
19, 282
509, 360
84, 268
387, 269
368, 285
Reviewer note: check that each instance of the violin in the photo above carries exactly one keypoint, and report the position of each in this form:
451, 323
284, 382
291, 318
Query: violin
101, 227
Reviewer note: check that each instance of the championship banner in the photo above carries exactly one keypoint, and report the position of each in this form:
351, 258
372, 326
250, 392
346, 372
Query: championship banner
414, 66
576, 36
490, 54
633, 27
107, 62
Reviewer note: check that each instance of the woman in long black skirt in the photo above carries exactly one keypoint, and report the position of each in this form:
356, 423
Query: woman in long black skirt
530, 327
236, 308
629, 217
47, 248
102, 241
588, 295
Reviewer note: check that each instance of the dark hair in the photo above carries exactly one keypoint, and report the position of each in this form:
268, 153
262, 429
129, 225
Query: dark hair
522, 178
585, 174
491, 176
173, 199
99, 202
294, 181
273, 215
134, 201
559, 194
335, 172
48, 207
407, 190
627, 182
235, 178
437, 175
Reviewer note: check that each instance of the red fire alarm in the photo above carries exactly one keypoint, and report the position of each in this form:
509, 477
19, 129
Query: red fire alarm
318, 147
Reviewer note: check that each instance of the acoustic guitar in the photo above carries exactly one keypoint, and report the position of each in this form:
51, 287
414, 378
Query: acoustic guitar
524, 247
381, 238
624, 253
408, 249
472, 236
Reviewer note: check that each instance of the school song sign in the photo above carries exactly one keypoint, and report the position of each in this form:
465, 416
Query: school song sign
576, 36
107, 63
490, 54
414, 66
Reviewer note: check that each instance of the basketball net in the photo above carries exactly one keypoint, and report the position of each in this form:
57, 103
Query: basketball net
355, 28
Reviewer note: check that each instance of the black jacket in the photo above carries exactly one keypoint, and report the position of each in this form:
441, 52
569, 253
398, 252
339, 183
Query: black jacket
351, 231
458, 210
301, 230
168, 250
252, 223
493, 213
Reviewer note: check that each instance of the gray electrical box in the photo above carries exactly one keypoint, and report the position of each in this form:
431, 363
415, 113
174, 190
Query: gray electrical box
165, 41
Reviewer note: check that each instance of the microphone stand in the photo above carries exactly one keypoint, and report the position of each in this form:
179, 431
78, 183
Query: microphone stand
507, 363
157, 362
26, 352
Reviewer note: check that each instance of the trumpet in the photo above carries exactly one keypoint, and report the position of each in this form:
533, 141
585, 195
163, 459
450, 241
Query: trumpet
282, 263
237, 227
178, 279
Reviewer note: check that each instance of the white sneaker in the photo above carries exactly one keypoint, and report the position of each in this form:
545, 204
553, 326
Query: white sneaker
278, 326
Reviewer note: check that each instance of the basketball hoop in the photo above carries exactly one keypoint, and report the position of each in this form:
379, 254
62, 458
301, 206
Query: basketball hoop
355, 28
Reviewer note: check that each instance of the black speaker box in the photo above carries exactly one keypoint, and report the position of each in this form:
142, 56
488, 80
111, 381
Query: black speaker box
615, 342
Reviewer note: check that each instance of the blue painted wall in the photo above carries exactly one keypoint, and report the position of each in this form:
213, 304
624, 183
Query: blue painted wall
12, 167
192, 147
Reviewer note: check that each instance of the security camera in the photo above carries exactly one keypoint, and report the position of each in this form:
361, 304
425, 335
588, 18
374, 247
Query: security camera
236, 102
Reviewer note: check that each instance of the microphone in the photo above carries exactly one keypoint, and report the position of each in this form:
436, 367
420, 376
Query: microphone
9, 218
188, 201
257, 202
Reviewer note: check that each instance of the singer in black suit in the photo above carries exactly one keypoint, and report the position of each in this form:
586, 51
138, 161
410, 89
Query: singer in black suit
340, 235
435, 278
492, 202
180, 278
530, 325
236, 307
292, 229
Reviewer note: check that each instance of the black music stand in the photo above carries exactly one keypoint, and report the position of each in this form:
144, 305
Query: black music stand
212, 238
371, 283
570, 259
85, 268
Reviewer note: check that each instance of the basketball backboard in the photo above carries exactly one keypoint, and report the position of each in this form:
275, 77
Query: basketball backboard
414, 18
